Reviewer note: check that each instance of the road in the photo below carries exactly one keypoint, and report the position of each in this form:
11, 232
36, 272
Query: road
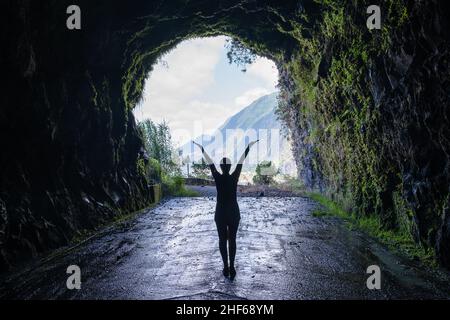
171, 252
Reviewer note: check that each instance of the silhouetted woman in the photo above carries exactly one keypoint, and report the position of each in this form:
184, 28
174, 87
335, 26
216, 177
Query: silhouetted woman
227, 215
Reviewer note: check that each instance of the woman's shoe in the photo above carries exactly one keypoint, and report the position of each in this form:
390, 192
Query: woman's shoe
232, 273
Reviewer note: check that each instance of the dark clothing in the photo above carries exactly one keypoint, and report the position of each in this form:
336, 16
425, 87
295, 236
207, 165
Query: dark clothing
227, 215
227, 231
227, 208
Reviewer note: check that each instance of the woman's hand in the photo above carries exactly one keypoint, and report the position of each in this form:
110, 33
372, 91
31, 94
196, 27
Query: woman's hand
198, 145
208, 159
251, 144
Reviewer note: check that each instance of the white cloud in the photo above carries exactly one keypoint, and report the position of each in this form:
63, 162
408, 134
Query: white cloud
266, 70
193, 61
181, 89
183, 116
249, 96
175, 82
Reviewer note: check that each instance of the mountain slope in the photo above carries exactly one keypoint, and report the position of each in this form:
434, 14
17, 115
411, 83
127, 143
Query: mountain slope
260, 114
256, 121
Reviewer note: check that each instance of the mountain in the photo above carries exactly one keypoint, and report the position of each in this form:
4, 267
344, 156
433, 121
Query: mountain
260, 114
256, 121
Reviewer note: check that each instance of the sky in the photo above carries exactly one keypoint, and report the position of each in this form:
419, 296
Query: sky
195, 90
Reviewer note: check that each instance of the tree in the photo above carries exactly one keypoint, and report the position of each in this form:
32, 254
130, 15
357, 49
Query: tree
200, 170
158, 144
239, 54
265, 173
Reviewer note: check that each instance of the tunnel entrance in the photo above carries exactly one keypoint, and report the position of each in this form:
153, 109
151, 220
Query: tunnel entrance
222, 95
362, 131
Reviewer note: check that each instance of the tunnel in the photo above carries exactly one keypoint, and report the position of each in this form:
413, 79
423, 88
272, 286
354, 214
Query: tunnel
368, 110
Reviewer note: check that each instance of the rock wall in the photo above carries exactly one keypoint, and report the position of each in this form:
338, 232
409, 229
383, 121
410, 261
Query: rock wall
367, 110
69, 145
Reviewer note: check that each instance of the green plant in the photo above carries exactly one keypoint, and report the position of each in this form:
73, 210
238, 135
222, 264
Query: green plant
239, 54
141, 167
155, 170
158, 144
175, 186
201, 170
396, 240
265, 173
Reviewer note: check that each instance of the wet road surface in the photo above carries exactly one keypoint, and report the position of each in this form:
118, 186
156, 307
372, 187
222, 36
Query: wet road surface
171, 252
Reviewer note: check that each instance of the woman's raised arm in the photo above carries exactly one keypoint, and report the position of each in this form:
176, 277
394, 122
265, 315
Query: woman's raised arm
237, 171
247, 151
208, 159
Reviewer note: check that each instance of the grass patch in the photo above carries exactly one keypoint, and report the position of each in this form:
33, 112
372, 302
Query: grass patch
318, 213
185, 192
175, 186
397, 241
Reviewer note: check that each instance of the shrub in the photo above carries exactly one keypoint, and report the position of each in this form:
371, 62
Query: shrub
174, 186
265, 173
200, 170
154, 170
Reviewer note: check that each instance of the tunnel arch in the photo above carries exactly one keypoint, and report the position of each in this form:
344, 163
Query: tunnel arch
260, 28
352, 98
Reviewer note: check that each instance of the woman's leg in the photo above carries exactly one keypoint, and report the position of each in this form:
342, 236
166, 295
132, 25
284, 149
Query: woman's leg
222, 230
232, 229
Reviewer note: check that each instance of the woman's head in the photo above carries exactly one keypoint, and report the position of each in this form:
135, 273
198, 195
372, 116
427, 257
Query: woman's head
225, 165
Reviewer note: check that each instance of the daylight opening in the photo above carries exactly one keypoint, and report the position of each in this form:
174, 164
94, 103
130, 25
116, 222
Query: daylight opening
219, 94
